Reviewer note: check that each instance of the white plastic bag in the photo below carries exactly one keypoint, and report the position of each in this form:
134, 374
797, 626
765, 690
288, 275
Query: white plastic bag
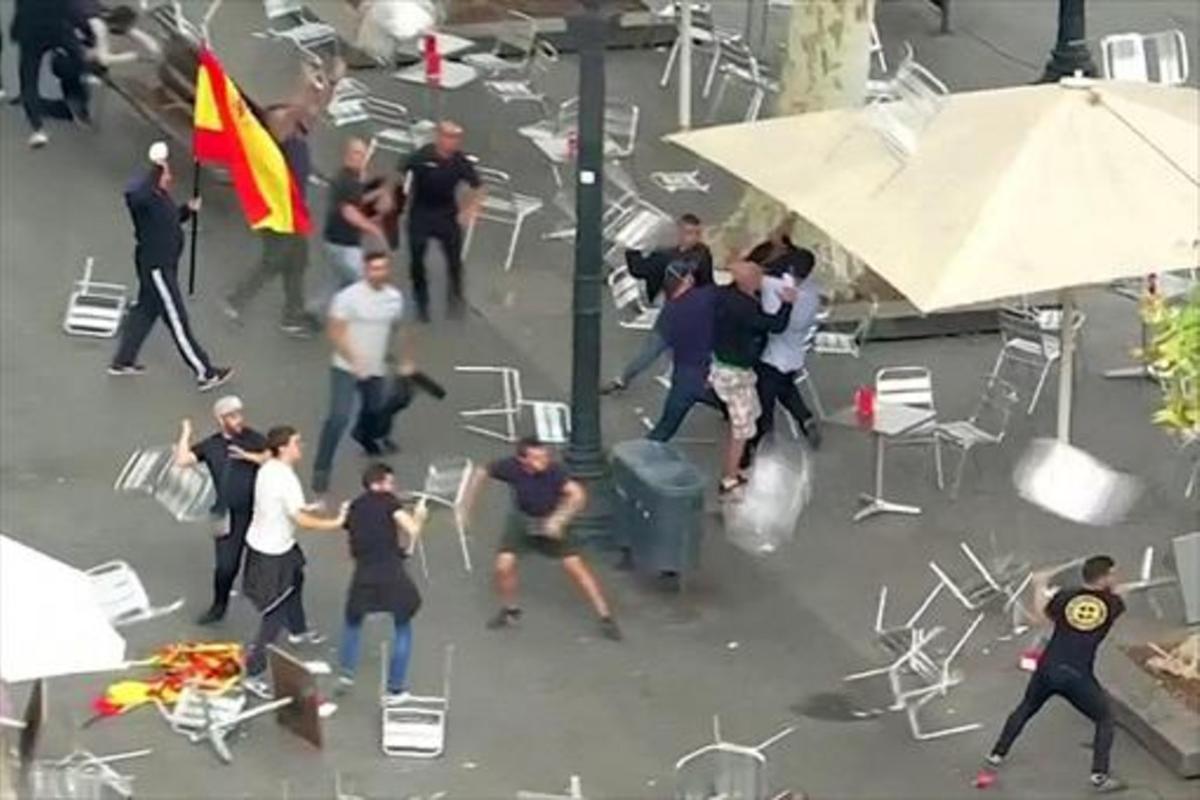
1066, 481
779, 490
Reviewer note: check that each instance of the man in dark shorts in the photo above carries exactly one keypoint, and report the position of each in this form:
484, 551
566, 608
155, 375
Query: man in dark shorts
545, 500
382, 536
1082, 617
232, 456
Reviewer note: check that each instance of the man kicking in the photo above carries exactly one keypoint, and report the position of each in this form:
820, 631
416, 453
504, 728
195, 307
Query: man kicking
545, 500
1082, 616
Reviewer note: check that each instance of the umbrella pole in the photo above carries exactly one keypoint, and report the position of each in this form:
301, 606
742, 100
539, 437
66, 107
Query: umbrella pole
1066, 366
685, 65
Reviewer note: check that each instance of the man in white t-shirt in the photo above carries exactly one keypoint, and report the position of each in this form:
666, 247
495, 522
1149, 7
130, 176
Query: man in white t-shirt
274, 574
362, 320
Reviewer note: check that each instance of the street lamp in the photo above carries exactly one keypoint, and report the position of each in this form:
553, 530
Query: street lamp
1070, 53
589, 30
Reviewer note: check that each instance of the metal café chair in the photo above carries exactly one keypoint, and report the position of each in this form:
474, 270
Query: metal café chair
187, 493
837, 343
551, 418
804, 380
724, 769
628, 296
1007, 578
503, 206
987, 425
1027, 343
512, 50
1146, 58
527, 89
911, 386
395, 130
914, 96
414, 726
446, 482
299, 25
740, 65
95, 308
119, 591
706, 37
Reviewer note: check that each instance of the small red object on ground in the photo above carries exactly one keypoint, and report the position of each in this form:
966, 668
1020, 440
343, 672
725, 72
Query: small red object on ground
985, 779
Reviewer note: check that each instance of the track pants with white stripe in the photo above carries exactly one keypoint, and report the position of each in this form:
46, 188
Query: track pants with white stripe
159, 298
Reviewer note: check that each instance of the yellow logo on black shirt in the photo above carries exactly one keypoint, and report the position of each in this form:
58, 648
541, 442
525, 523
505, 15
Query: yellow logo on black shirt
1085, 612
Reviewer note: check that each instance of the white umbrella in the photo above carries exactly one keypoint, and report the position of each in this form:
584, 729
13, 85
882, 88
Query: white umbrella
50, 622
1009, 192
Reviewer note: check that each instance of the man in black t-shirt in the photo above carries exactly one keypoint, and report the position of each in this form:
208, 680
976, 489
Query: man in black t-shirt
382, 535
1082, 617
433, 175
232, 456
346, 222
545, 500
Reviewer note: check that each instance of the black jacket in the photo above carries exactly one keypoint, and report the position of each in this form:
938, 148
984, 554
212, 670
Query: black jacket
742, 327
157, 222
652, 268
42, 20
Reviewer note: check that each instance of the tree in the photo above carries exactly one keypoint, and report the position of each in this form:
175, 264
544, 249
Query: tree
825, 67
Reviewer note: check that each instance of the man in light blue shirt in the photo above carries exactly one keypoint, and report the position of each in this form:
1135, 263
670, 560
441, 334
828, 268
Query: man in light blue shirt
784, 358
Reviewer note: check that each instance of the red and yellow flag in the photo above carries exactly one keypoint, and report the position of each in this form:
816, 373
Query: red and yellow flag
227, 132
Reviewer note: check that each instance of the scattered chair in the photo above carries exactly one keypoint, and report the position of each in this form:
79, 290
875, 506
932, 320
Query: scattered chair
512, 50
504, 206
120, 592
987, 425
629, 299
620, 126
707, 36
205, 717
394, 128
836, 343
740, 65
902, 110
300, 26
633, 223
913, 387
414, 726
94, 308
187, 493
1146, 58
1026, 342
1006, 580
672, 182
446, 482
726, 770
551, 419
527, 89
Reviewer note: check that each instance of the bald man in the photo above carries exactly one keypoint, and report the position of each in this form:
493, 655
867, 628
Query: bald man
432, 177
346, 222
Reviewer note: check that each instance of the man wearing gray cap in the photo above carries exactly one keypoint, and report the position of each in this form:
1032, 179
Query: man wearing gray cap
232, 454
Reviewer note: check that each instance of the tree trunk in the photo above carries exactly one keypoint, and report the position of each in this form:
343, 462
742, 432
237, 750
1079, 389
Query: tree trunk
825, 67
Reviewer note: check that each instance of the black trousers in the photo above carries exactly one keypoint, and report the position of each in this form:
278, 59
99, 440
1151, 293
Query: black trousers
776, 386
1081, 690
159, 297
288, 614
229, 550
32, 51
445, 229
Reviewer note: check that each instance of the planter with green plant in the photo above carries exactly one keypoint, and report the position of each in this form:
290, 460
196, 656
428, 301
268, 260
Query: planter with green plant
1173, 356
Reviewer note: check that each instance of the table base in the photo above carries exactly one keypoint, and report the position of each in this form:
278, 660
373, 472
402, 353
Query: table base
1137, 371
878, 505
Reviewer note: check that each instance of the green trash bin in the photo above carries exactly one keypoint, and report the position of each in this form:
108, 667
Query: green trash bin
660, 506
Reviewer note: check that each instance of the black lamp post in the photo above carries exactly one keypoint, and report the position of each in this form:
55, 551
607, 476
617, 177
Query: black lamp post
589, 30
1070, 53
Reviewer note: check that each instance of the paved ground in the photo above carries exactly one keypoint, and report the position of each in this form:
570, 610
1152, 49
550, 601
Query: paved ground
536, 705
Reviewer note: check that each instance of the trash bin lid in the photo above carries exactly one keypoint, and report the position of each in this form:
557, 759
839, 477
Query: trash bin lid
659, 465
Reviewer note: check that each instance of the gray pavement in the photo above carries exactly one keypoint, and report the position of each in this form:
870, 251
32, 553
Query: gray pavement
532, 706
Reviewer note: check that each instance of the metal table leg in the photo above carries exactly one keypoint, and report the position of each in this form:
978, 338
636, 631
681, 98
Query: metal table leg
876, 504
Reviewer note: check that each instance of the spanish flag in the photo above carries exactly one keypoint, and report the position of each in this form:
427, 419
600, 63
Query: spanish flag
227, 132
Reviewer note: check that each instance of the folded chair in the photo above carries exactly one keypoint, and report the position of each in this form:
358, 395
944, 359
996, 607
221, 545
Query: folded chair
95, 308
414, 726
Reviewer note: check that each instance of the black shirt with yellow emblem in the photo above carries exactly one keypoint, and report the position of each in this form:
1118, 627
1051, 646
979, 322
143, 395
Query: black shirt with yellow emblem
1082, 618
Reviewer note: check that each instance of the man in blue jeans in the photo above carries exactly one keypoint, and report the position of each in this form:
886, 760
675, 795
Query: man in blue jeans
686, 325
362, 320
382, 535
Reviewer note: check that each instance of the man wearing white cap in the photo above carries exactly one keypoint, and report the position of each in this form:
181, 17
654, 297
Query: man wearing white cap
232, 454
158, 227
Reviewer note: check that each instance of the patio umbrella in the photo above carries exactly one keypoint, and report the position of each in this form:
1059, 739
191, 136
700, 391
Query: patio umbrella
1009, 192
50, 623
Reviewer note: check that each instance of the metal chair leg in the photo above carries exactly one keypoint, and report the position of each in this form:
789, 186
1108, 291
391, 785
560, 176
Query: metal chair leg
958, 473
812, 392
1037, 391
937, 462
466, 245
715, 104
1193, 481
666, 73
512, 242
712, 71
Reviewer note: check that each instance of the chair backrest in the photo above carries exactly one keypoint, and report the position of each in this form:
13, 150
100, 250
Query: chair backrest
499, 203
621, 125
276, 9
1124, 57
863, 329
904, 386
1171, 56
1021, 325
118, 590
738, 58
543, 58
386, 112
917, 96
1151, 58
876, 48
640, 226
995, 407
517, 35
447, 479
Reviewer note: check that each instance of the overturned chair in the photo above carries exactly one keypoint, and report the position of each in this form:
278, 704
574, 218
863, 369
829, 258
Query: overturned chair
414, 726
186, 492
95, 308
204, 717
726, 770
551, 418
119, 591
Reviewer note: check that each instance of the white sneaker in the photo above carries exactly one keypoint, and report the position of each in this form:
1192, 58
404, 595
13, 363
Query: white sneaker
38, 139
308, 637
258, 687
3, 94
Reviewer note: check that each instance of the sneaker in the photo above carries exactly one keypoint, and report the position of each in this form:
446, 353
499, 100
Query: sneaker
395, 697
296, 330
219, 376
231, 312
38, 139
504, 618
992, 760
344, 685
258, 687
212, 616
615, 386
125, 369
308, 637
610, 630
812, 431
1103, 784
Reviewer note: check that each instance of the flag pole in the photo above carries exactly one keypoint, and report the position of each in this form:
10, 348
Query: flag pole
195, 227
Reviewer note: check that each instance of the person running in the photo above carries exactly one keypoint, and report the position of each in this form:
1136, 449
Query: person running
274, 575
544, 501
382, 535
158, 226
740, 335
42, 27
687, 328
346, 223
1082, 617
232, 454
688, 253
363, 319
432, 177
787, 352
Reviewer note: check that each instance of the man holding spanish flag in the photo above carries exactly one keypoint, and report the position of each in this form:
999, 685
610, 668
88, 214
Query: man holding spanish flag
270, 169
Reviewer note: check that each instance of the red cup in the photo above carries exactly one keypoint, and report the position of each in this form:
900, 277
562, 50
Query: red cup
864, 401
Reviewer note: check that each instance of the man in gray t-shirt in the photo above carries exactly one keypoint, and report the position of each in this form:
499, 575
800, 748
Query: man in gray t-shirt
362, 320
